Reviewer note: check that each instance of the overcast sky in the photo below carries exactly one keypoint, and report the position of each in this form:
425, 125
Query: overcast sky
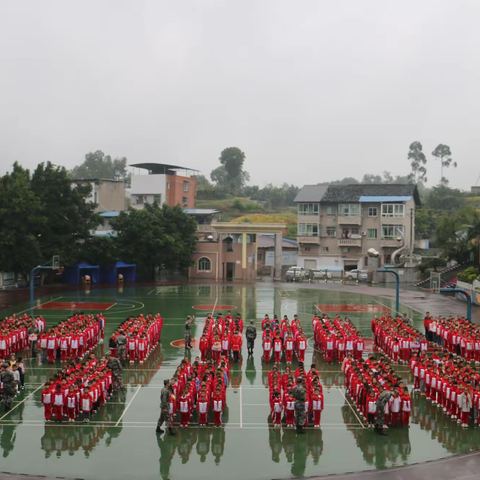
310, 90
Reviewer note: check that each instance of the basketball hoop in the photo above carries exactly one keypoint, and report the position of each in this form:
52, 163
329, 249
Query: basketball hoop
435, 282
56, 262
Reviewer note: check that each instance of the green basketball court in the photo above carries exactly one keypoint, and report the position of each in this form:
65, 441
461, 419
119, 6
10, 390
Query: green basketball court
120, 442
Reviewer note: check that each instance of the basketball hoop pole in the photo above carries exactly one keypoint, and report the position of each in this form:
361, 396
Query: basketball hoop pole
467, 297
32, 280
397, 291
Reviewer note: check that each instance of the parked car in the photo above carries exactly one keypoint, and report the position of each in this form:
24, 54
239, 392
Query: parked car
314, 274
361, 275
295, 273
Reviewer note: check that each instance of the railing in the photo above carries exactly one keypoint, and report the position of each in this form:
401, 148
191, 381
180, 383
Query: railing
205, 228
349, 220
349, 242
307, 239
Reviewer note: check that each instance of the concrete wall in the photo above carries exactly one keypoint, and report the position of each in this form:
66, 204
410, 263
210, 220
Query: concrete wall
109, 195
149, 185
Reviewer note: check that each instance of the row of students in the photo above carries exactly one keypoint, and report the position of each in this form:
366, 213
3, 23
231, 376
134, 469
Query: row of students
282, 403
199, 387
141, 335
73, 337
337, 338
14, 333
396, 338
366, 380
77, 391
221, 336
449, 383
457, 335
283, 339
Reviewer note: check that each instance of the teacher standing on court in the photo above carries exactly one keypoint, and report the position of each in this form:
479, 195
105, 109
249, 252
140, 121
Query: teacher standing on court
188, 332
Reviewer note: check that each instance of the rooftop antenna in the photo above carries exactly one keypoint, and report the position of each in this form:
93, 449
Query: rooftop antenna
478, 178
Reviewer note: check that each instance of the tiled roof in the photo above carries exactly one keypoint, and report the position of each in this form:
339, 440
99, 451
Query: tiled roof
311, 193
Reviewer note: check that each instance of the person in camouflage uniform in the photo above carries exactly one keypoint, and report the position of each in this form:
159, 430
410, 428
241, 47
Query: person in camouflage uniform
121, 342
165, 409
117, 372
251, 334
299, 395
188, 332
8, 381
382, 400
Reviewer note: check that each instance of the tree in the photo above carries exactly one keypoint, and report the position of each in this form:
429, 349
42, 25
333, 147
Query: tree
230, 175
417, 161
69, 217
22, 219
444, 155
101, 251
156, 237
99, 165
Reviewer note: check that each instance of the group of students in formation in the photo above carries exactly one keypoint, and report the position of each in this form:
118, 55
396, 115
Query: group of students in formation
337, 338
282, 402
78, 391
366, 380
73, 337
15, 331
456, 335
452, 384
221, 336
136, 337
283, 339
200, 386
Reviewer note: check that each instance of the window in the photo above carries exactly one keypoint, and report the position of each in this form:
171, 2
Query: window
95, 197
387, 259
139, 199
259, 256
349, 209
354, 231
157, 199
168, 185
185, 201
204, 264
307, 249
308, 208
396, 210
325, 249
331, 232
392, 231
371, 233
229, 245
372, 211
365, 261
308, 229
186, 186
330, 211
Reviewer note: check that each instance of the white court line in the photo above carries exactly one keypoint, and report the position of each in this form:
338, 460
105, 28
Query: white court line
241, 408
113, 306
151, 291
23, 401
351, 408
392, 309
215, 305
128, 406
44, 303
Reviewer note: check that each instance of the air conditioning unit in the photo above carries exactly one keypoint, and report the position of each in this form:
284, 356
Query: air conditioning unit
363, 234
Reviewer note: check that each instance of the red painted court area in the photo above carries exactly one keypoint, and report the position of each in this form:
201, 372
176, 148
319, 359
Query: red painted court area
353, 308
216, 307
80, 306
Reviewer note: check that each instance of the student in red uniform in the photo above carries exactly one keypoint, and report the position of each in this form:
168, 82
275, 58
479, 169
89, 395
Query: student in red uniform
132, 348
87, 404
71, 403
406, 407
142, 348
317, 407
277, 348
204, 347
289, 403
276, 409
236, 345
185, 408
58, 403
289, 345
301, 346
218, 404
202, 407
371, 409
47, 401
267, 348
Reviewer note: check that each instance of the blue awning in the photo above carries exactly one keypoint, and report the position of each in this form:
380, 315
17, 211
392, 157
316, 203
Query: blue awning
384, 199
109, 214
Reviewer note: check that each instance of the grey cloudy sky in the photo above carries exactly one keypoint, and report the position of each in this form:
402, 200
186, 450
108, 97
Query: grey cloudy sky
311, 90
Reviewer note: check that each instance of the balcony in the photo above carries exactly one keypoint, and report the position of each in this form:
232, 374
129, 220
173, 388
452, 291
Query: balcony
390, 242
349, 242
205, 228
314, 240
349, 220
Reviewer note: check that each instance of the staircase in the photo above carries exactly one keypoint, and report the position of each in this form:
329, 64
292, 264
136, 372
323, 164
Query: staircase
456, 269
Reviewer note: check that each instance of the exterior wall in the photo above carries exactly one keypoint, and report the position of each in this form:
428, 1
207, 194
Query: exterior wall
209, 250
175, 192
148, 186
108, 194
340, 252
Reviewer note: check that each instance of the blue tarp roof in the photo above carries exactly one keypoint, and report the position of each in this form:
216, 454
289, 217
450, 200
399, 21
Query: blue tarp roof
374, 199
200, 211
